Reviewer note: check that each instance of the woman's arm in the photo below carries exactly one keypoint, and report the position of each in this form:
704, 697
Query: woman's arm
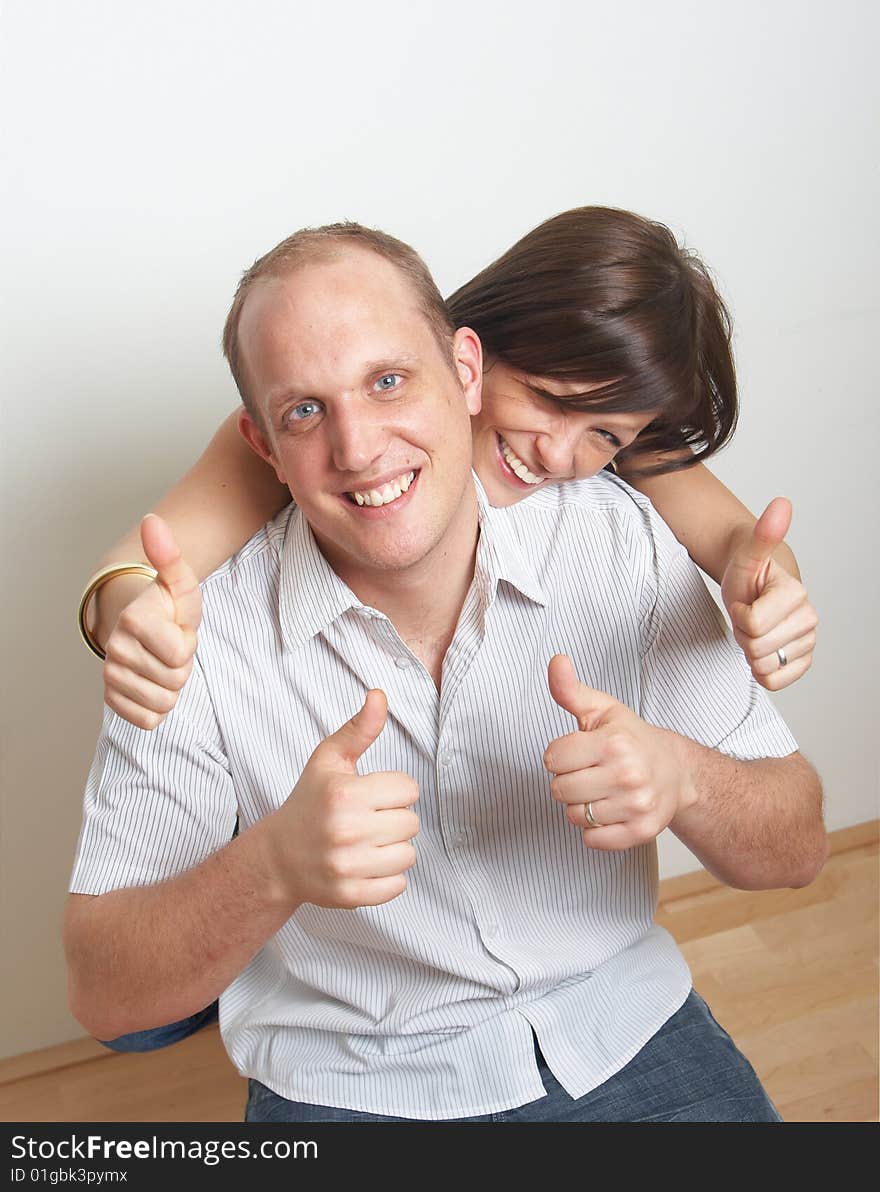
707, 519
148, 628
771, 615
224, 498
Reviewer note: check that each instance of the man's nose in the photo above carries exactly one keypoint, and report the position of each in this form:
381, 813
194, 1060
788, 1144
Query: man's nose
358, 439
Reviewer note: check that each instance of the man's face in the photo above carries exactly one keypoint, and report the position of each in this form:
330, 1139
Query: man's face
365, 418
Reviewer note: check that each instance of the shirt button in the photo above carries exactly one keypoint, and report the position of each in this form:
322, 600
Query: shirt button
459, 839
447, 757
491, 931
403, 662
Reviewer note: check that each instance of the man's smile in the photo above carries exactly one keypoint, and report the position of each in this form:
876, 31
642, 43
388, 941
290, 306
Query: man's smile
384, 493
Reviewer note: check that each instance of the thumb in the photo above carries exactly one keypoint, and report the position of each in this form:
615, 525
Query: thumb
342, 749
584, 703
769, 531
175, 574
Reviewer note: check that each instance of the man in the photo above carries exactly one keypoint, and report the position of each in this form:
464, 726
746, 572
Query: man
490, 954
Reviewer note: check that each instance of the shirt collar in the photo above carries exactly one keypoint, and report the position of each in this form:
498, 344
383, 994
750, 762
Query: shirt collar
501, 554
312, 596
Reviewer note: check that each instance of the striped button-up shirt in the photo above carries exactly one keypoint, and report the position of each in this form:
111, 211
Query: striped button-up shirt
425, 1007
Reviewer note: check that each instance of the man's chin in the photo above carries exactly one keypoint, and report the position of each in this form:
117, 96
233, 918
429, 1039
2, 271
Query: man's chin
396, 560
361, 557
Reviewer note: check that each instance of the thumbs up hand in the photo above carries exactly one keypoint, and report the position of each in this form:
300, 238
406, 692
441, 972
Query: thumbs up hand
150, 651
343, 839
620, 779
769, 609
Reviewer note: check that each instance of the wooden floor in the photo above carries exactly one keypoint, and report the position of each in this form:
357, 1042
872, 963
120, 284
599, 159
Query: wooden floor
791, 974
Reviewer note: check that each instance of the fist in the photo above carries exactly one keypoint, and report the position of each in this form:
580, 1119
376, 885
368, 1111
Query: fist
618, 777
344, 839
150, 651
769, 609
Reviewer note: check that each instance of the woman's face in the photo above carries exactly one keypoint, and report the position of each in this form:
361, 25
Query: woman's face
524, 440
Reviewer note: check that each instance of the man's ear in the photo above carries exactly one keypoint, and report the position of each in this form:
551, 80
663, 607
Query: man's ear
255, 437
468, 357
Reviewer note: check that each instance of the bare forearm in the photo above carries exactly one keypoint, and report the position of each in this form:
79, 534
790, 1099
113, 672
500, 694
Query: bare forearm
149, 955
706, 517
213, 510
754, 825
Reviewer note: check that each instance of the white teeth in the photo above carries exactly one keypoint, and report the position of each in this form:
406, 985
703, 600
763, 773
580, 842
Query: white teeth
387, 493
517, 466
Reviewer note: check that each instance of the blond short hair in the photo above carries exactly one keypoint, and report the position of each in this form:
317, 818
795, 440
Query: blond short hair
315, 244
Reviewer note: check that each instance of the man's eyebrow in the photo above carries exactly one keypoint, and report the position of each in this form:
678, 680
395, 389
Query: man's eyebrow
389, 363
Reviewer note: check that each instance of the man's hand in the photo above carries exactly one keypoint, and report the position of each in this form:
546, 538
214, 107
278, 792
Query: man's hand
343, 839
769, 609
625, 770
150, 651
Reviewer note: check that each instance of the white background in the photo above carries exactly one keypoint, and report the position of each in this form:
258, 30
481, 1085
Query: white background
152, 151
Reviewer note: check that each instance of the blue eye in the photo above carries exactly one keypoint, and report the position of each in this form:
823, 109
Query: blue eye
388, 381
303, 410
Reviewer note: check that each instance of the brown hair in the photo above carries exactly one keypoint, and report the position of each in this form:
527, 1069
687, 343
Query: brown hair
315, 244
602, 295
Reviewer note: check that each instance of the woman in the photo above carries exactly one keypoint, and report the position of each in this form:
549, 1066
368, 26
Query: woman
606, 345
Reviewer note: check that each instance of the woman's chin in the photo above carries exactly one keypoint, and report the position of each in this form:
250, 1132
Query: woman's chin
500, 494
503, 500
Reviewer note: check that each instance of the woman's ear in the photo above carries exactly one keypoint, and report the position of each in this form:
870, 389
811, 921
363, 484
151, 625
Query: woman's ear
255, 437
468, 357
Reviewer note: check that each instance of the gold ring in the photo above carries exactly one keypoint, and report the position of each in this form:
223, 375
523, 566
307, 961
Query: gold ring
592, 822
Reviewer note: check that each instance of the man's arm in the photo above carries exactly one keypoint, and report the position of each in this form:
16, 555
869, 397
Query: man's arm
756, 825
753, 824
705, 753
148, 954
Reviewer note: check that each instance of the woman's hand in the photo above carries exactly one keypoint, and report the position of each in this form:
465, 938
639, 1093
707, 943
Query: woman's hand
769, 609
150, 651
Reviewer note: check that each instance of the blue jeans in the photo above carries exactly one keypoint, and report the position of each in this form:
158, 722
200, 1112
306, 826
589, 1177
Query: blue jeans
163, 1036
690, 1071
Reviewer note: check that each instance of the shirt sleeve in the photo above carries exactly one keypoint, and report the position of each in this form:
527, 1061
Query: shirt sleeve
695, 678
156, 803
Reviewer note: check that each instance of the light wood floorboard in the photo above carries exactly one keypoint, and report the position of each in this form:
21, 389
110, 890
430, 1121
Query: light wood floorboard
791, 974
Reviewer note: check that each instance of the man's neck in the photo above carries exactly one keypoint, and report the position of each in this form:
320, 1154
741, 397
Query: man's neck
424, 601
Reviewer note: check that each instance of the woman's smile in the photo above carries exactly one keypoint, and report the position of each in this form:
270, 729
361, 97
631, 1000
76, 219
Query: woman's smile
515, 469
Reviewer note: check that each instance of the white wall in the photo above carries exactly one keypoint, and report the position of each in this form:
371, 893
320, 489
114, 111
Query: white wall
154, 150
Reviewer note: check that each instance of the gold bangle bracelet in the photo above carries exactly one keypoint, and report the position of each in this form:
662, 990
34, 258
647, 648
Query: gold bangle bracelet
97, 581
